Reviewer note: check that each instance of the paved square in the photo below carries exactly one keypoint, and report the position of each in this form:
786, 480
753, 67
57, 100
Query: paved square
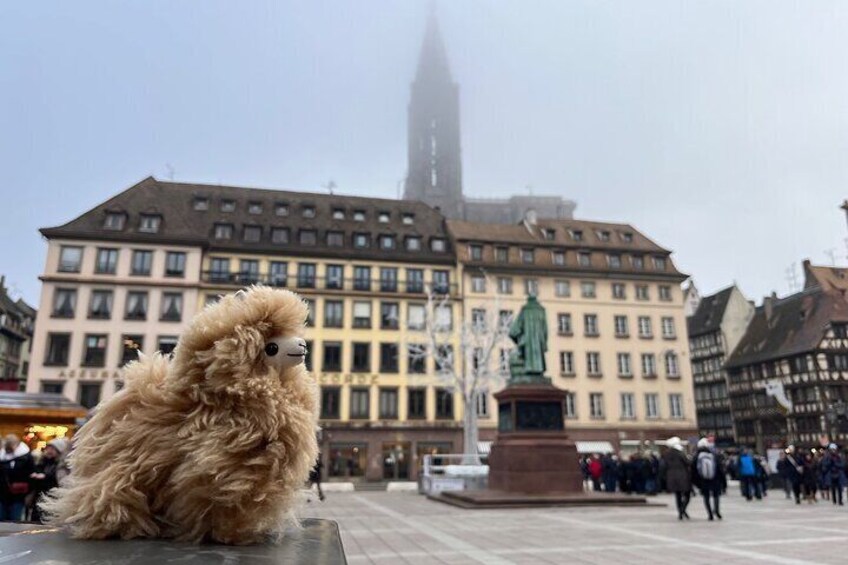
401, 527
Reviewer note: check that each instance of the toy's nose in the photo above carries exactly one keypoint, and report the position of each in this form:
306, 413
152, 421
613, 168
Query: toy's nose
302, 343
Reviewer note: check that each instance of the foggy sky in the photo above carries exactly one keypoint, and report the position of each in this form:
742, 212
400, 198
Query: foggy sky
717, 128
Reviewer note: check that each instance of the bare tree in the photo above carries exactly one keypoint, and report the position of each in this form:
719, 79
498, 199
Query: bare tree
477, 366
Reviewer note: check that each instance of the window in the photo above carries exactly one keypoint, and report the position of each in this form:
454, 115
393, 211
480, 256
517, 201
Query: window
576, 235
649, 365
388, 358
64, 302
638, 262
149, 223
624, 367
476, 252
131, 346
58, 346
361, 278
387, 242
361, 358
652, 408
416, 362
414, 280
618, 291
338, 214
675, 403
100, 306
94, 352
531, 287
141, 262
359, 215
306, 275
107, 261
361, 314
248, 271
136, 305
478, 318
668, 331
52, 388
482, 403
252, 234
219, 270
627, 237
172, 307
335, 277
388, 279
308, 211
444, 404
570, 405
415, 316
389, 315
628, 410
360, 403
175, 262
388, 403
307, 237
441, 282
642, 292
621, 326
416, 399
223, 231
89, 394
383, 217
201, 203
566, 362
333, 313
645, 330
254, 208
672, 367
562, 289
310, 315
590, 324
564, 324
330, 403
593, 364
413, 243
502, 254
444, 317
659, 263
478, 284
596, 405
438, 245
70, 259
278, 273
558, 258
332, 362
614, 261
281, 209
504, 285
114, 221
527, 256
584, 259
408, 219
228, 206
361, 240
587, 289
335, 239
279, 235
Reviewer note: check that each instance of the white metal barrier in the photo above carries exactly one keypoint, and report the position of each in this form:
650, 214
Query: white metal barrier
446, 472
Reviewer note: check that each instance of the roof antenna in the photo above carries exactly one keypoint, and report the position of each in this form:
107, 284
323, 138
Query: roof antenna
330, 186
171, 171
832, 254
792, 277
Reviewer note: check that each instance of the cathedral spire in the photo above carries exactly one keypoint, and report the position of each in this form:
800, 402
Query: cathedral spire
433, 59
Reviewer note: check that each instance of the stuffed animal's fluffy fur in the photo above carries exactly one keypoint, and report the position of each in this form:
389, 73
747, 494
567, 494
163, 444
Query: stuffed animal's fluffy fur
212, 445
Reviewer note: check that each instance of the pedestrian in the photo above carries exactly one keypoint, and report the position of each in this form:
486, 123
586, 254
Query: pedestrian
635, 473
808, 479
747, 471
675, 472
16, 465
47, 474
784, 472
795, 471
761, 469
610, 472
584, 470
833, 470
708, 475
595, 472
315, 477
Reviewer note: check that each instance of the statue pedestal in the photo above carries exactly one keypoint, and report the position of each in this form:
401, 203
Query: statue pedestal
532, 453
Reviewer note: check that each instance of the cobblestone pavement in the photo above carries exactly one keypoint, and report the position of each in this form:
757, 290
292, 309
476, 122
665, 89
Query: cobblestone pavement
404, 527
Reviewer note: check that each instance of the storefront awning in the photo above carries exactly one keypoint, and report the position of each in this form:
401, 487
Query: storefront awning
594, 447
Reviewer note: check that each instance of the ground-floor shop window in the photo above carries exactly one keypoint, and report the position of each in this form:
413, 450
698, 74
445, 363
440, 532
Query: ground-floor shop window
348, 460
396, 458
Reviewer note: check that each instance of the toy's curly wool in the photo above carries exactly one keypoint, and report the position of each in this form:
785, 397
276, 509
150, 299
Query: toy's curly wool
210, 446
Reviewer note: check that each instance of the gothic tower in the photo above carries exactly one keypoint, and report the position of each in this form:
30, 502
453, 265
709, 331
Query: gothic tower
434, 169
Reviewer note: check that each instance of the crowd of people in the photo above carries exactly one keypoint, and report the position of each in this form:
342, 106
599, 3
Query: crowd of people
27, 477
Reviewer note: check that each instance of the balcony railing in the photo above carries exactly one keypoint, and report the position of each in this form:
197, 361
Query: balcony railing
325, 283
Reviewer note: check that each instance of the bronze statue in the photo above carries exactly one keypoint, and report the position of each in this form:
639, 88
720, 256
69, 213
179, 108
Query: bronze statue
529, 331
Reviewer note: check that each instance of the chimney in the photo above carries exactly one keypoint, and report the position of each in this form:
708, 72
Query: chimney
2, 283
768, 305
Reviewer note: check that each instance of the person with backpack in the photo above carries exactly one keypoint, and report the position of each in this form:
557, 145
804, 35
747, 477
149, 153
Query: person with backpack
708, 475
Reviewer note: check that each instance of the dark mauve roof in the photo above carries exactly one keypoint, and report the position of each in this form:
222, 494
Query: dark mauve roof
707, 318
828, 278
796, 325
183, 225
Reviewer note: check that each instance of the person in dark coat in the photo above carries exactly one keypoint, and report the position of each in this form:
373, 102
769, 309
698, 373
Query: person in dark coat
315, 477
833, 472
783, 470
16, 465
675, 472
808, 479
708, 475
46, 475
794, 471
610, 472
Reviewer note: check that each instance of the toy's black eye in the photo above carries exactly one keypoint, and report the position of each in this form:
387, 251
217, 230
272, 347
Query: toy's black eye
272, 349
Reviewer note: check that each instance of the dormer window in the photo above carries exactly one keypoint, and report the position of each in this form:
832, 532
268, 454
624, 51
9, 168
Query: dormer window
281, 209
502, 254
387, 242
149, 223
254, 208
308, 212
359, 215
476, 252
413, 243
361, 240
577, 235
335, 239
308, 237
614, 261
201, 203
627, 237
638, 262
114, 221
408, 219
659, 263
558, 258
223, 231
338, 214
603, 235
584, 259
549, 234
527, 256
383, 217
228, 205
252, 234
279, 235
438, 245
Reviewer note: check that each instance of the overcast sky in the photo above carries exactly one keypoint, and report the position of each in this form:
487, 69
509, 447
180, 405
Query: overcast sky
720, 129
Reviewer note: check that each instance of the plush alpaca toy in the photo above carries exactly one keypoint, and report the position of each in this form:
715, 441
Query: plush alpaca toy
212, 445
